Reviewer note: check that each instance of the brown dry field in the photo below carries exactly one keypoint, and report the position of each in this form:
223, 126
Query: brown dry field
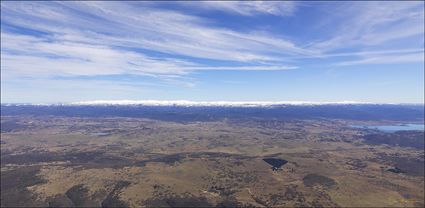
131, 162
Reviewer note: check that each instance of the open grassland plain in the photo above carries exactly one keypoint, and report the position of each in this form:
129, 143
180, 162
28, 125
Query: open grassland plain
51, 160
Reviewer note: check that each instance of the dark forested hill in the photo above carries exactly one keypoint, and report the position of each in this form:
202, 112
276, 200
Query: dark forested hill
181, 113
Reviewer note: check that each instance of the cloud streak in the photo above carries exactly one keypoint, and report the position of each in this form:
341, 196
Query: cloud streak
107, 38
20, 52
386, 59
373, 24
120, 24
248, 8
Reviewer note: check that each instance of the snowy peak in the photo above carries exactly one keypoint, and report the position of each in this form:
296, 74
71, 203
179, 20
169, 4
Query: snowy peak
209, 103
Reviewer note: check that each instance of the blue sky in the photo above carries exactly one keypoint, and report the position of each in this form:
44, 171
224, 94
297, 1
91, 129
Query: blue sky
210, 51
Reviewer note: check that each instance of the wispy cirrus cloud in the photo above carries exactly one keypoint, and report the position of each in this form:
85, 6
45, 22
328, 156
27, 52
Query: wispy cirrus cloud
121, 24
59, 57
374, 33
386, 59
46, 40
98, 38
248, 8
367, 24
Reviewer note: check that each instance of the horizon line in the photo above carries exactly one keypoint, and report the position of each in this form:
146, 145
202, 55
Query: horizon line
209, 103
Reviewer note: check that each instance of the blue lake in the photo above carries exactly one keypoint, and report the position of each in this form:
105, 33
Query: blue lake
394, 128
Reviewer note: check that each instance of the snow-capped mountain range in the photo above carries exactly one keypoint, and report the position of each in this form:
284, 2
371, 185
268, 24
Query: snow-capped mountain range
187, 103
208, 103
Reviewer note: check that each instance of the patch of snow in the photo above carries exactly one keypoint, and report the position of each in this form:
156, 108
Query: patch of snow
187, 103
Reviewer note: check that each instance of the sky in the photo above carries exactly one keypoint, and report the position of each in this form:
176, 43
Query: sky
67, 51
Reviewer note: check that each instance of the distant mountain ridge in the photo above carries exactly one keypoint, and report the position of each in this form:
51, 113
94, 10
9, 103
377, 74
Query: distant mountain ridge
217, 111
187, 103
